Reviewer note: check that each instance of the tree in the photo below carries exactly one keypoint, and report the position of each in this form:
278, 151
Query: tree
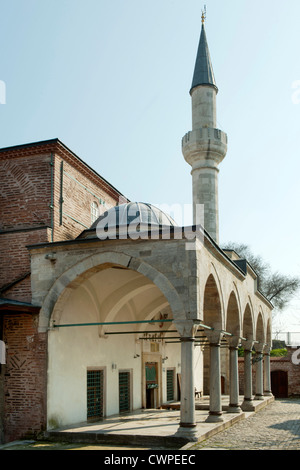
277, 288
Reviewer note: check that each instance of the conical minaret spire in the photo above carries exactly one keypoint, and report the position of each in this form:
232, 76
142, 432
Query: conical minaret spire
203, 73
205, 146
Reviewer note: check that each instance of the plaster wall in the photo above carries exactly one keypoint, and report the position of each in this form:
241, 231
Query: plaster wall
73, 351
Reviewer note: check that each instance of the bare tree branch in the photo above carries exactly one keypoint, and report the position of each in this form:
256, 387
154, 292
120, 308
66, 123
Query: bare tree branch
278, 288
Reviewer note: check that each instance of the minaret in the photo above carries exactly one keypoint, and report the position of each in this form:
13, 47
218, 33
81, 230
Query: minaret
205, 146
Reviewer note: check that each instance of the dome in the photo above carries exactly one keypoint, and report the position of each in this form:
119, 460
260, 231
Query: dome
135, 213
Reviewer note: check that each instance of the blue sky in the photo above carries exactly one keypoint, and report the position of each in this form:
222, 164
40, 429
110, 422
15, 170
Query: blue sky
111, 79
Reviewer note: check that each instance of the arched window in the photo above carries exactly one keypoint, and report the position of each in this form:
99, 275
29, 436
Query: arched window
94, 211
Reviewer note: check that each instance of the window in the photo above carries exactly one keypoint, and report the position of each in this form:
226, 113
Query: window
170, 384
124, 391
94, 212
95, 391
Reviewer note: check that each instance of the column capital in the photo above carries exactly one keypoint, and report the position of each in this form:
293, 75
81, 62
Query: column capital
186, 328
234, 342
267, 350
187, 339
247, 344
259, 347
214, 337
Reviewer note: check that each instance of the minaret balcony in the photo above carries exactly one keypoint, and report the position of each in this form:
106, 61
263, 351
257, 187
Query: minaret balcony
205, 147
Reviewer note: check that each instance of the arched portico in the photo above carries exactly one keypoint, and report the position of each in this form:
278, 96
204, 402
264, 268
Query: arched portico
267, 366
259, 347
233, 327
86, 268
247, 343
116, 287
121, 300
213, 318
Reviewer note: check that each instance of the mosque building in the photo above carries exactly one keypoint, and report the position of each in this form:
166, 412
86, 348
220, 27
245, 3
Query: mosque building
107, 305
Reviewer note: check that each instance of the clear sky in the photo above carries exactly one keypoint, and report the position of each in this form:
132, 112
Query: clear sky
111, 79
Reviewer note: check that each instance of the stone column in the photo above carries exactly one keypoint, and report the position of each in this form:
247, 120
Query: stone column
267, 374
259, 392
215, 402
247, 404
187, 427
234, 406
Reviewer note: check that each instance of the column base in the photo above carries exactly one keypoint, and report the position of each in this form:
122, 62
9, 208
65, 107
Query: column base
268, 394
188, 431
248, 405
259, 397
214, 418
234, 409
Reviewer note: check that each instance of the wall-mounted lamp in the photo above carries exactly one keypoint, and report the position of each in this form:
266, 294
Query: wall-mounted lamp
165, 359
135, 356
114, 366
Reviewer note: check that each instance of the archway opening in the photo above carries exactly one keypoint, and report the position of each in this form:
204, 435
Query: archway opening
212, 313
212, 316
109, 328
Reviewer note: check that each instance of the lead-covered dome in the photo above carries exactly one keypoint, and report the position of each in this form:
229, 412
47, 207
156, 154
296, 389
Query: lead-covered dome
134, 213
128, 221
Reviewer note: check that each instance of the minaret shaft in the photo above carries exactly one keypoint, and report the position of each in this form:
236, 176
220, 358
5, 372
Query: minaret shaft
204, 107
205, 146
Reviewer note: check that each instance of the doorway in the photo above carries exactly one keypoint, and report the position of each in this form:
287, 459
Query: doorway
151, 384
279, 383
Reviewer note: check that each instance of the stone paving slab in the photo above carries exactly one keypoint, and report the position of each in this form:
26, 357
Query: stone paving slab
150, 427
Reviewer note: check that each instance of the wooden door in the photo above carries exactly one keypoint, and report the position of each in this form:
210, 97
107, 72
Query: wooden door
279, 383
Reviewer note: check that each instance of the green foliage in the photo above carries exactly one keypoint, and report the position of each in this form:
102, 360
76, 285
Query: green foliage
278, 352
241, 352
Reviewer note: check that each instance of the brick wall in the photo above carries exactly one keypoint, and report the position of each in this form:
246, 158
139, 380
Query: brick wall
25, 377
15, 262
78, 192
24, 191
276, 363
293, 370
31, 185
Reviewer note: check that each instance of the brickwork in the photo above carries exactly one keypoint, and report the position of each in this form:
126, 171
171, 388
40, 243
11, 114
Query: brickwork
293, 371
277, 363
40, 201
78, 193
15, 262
25, 381
25, 191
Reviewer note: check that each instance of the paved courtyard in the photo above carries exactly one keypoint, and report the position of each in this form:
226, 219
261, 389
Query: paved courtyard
276, 427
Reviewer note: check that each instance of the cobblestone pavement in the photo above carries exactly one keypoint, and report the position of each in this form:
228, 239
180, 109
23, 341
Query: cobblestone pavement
276, 427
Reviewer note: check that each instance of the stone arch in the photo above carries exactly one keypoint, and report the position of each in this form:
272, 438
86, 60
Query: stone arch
268, 340
259, 332
248, 326
233, 322
212, 306
74, 276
